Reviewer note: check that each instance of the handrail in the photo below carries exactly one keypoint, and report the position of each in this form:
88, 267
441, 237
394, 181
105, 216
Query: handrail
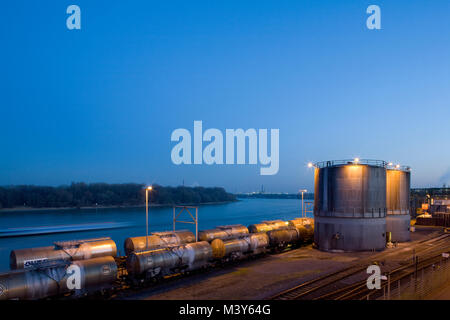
370, 162
333, 163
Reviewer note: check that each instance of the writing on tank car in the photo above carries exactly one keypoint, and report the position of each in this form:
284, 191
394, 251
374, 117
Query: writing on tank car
78, 277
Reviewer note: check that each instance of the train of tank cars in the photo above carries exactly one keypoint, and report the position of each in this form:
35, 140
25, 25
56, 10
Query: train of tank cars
83, 267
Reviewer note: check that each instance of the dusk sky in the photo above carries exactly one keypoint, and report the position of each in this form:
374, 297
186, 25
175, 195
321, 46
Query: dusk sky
100, 104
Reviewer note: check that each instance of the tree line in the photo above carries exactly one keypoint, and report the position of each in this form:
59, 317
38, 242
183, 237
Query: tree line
103, 194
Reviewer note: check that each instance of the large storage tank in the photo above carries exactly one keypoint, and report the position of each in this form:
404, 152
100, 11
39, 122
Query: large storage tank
398, 219
350, 205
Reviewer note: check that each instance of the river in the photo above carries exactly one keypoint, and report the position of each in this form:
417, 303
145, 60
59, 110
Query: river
246, 211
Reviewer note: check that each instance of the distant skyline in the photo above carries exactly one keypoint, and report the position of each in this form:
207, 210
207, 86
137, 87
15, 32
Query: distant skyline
99, 104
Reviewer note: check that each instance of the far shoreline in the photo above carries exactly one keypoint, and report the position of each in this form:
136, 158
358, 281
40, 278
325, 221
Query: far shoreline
31, 209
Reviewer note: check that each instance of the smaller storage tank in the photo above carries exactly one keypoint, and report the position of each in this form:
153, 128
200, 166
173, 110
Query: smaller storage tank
398, 219
227, 248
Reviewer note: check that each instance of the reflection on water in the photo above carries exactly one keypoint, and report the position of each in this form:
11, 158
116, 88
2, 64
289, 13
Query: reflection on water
30, 231
244, 212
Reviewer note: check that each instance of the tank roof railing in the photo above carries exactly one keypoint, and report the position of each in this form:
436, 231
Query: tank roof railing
332, 163
398, 167
370, 162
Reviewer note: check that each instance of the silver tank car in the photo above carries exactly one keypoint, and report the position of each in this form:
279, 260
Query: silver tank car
78, 277
158, 240
283, 237
223, 233
258, 242
255, 243
398, 219
305, 227
301, 221
166, 261
62, 251
226, 248
266, 226
350, 205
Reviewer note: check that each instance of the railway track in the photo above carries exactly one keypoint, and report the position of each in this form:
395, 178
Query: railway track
360, 291
308, 288
330, 286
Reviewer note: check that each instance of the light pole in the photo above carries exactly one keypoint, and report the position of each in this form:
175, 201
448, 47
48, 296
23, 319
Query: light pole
302, 191
149, 188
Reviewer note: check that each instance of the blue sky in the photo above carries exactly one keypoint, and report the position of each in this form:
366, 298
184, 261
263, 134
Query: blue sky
100, 103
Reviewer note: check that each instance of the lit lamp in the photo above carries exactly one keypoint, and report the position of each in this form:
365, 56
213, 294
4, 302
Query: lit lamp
149, 188
302, 191
310, 165
356, 160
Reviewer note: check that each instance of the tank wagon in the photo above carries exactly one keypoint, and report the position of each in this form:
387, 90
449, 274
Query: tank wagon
281, 238
398, 219
305, 227
166, 261
62, 251
252, 244
350, 205
266, 226
50, 271
223, 233
79, 277
158, 240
